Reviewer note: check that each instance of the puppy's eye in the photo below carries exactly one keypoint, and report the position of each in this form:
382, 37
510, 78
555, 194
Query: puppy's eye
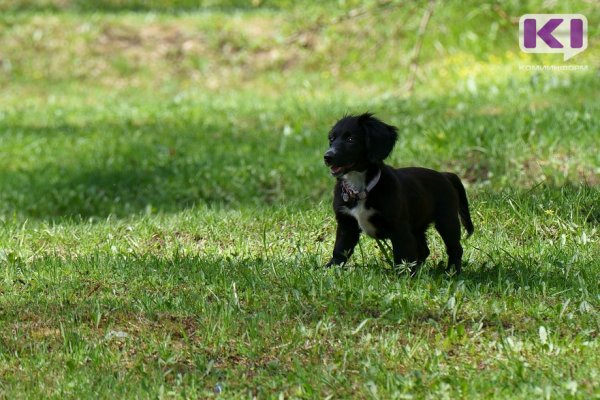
330, 139
349, 139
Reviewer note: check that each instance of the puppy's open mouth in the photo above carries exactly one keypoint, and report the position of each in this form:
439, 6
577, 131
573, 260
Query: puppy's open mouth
339, 170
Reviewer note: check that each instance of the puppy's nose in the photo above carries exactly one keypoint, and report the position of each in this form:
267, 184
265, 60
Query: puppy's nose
328, 157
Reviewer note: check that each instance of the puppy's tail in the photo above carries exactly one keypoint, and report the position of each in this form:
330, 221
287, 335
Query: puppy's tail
463, 203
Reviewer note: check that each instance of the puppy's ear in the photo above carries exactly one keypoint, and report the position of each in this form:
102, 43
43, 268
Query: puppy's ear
380, 137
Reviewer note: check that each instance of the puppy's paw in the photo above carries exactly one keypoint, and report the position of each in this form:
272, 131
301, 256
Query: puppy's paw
334, 263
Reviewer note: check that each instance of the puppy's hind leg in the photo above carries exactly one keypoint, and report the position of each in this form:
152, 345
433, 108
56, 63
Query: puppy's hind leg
422, 249
448, 227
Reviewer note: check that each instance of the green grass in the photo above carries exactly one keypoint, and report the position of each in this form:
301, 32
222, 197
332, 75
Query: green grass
165, 214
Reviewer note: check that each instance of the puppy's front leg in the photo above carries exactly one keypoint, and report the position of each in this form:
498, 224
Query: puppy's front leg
346, 238
405, 246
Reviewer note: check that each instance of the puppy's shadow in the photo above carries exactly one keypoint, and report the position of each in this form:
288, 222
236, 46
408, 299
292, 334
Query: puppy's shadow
486, 273
522, 275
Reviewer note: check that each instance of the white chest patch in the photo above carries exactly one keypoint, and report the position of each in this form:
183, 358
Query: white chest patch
356, 180
362, 216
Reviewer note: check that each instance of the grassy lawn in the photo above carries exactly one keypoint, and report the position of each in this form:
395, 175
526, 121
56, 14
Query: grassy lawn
165, 213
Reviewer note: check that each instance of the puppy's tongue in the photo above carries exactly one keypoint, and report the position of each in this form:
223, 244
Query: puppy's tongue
335, 170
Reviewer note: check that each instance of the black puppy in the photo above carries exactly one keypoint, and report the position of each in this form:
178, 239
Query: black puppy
388, 203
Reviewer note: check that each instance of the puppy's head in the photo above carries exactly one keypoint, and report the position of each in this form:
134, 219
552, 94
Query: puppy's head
355, 142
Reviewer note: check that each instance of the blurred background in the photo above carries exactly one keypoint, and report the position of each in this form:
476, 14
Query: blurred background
120, 107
